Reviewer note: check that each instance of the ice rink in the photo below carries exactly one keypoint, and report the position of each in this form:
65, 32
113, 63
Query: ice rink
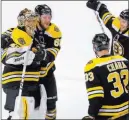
78, 25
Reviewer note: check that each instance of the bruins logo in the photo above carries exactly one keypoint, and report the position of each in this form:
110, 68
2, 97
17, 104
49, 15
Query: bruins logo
118, 48
91, 61
56, 29
21, 41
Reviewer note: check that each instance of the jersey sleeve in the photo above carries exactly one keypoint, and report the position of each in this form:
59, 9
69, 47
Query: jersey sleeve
94, 89
106, 16
54, 44
5, 42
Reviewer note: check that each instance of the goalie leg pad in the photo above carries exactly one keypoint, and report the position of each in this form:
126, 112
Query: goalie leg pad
26, 107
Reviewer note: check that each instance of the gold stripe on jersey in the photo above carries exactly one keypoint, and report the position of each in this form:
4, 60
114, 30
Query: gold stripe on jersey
102, 61
114, 110
51, 114
51, 117
44, 70
95, 95
8, 32
54, 51
106, 17
13, 55
107, 13
19, 73
114, 114
25, 108
57, 49
95, 88
115, 106
19, 76
53, 31
126, 34
4, 54
118, 116
21, 38
19, 79
95, 92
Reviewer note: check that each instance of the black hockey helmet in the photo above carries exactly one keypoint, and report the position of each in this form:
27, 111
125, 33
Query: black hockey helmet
125, 14
43, 9
100, 42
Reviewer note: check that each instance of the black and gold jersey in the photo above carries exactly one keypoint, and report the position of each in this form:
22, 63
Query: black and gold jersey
12, 74
107, 79
120, 40
51, 38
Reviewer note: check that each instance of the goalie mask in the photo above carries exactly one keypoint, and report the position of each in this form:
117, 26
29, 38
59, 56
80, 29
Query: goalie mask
100, 42
28, 19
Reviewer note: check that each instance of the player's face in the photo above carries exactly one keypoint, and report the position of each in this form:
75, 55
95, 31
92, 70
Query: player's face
123, 23
45, 20
30, 26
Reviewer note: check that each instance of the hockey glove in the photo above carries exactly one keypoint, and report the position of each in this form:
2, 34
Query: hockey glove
88, 118
40, 53
94, 5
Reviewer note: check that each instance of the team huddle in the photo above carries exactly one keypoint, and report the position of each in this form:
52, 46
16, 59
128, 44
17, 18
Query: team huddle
28, 55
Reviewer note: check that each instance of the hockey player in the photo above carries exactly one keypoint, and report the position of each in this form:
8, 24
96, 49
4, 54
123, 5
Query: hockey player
15, 43
107, 78
50, 37
118, 26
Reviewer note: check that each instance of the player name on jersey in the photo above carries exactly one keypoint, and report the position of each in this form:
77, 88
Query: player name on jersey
115, 66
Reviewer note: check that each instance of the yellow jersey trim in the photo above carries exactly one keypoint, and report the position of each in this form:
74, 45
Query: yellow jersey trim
98, 61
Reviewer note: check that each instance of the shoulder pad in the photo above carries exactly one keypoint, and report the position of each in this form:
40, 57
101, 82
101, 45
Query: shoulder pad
53, 31
21, 38
90, 65
116, 24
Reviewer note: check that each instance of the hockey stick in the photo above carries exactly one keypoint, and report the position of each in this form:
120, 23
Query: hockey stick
98, 19
102, 28
18, 101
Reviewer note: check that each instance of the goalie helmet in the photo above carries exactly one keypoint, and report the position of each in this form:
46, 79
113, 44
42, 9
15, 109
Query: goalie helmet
26, 15
43, 9
28, 19
100, 42
125, 14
